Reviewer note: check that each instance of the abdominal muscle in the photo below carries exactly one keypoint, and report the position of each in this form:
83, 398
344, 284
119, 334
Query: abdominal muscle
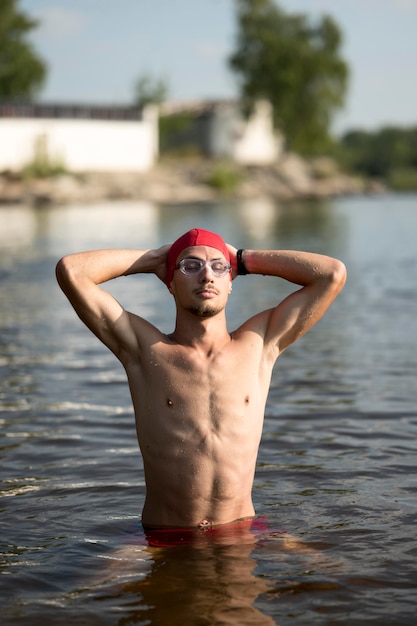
199, 445
197, 485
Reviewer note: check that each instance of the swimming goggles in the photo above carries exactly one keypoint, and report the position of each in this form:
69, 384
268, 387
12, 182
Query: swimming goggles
192, 267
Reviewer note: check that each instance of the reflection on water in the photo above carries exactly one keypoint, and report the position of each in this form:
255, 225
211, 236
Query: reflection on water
210, 585
336, 466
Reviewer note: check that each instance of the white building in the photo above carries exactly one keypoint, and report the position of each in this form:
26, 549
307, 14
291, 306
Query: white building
220, 130
251, 141
111, 139
82, 138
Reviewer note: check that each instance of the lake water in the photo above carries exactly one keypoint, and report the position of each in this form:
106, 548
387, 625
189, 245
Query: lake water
337, 467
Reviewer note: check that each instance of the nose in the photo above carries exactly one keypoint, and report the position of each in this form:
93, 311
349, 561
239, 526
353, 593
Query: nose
206, 273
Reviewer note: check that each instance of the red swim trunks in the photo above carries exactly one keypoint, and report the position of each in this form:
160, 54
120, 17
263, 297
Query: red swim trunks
243, 531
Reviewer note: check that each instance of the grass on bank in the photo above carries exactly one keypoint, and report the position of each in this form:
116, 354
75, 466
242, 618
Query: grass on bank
42, 164
225, 177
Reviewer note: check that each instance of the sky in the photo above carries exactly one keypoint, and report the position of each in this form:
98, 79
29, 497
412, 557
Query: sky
96, 50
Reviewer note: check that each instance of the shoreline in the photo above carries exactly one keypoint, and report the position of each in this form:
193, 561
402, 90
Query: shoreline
184, 181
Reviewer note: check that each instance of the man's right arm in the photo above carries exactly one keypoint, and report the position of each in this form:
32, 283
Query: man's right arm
79, 276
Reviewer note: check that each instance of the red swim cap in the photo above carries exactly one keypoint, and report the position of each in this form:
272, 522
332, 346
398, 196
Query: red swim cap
194, 237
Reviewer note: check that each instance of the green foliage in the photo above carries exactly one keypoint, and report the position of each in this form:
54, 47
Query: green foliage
149, 90
225, 177
389, 153
403, 179
170, 126
296, 66
22, 72
42, 164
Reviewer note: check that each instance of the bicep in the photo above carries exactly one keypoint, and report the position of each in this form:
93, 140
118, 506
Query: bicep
322, 278
297, 314
282, 325
101, 313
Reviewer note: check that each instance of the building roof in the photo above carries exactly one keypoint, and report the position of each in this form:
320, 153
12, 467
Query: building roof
70, 111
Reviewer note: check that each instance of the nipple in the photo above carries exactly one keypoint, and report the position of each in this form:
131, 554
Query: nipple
170, 402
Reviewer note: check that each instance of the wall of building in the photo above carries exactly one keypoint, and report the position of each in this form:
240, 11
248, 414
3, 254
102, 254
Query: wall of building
251, 142
81, 144
219, 130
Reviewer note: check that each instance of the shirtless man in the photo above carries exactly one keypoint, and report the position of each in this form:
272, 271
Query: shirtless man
199, 393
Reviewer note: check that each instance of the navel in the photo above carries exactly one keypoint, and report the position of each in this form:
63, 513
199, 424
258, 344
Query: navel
205, 524
247, 399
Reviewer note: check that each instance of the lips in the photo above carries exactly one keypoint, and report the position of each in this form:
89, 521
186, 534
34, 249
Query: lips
209, 293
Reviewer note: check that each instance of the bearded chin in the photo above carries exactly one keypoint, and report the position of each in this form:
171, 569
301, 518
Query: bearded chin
205, 311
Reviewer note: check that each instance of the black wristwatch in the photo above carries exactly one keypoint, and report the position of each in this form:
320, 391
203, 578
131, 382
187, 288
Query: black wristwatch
241, 267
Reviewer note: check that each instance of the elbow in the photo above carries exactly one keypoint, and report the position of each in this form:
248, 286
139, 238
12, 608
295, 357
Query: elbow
60, 269
338, 275
63, 271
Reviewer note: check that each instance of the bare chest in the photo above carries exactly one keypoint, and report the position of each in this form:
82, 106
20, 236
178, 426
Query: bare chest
177, 386
193, 372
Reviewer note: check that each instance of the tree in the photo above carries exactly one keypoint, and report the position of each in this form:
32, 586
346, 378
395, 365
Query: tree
149, 90
22, 72
296, 66
382, 152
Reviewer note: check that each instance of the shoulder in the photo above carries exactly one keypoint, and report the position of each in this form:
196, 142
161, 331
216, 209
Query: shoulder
139, 335
144, 331
256, 326
253, 334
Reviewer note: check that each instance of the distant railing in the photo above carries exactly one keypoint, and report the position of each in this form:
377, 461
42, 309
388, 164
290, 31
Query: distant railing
70, 111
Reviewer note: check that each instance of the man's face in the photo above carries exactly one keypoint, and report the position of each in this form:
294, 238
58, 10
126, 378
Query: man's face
201, 291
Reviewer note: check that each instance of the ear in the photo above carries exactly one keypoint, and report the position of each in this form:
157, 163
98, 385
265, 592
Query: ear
230, 287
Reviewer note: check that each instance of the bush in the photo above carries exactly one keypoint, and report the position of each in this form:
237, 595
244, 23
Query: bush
403, 179
224, 177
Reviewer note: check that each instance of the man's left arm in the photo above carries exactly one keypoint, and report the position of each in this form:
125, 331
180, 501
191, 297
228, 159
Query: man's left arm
321, 279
